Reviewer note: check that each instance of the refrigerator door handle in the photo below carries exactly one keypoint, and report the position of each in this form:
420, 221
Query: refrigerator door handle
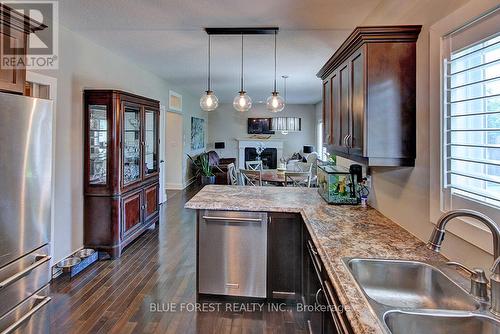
40, 260
27, 316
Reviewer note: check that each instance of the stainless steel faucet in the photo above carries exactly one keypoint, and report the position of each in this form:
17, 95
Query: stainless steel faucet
495, 288
437, 238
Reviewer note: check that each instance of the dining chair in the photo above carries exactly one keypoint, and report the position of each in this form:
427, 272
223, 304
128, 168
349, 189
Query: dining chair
232, 175
303, 167
254, 165
250, 177
298, 179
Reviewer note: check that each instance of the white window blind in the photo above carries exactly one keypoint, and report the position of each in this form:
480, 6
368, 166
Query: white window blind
471, 120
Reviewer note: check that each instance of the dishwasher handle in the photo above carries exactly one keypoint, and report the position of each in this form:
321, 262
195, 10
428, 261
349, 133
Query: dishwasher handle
233, 219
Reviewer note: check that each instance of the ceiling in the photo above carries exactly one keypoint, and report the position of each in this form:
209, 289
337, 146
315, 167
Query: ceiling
167, 38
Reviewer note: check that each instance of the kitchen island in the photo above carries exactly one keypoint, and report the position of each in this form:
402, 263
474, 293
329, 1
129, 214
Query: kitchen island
336, 232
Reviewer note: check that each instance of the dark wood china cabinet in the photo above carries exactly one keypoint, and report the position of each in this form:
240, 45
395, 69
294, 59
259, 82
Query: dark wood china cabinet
369, 96
121, 172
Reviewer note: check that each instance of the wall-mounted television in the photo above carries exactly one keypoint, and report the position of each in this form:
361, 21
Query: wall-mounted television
260, 126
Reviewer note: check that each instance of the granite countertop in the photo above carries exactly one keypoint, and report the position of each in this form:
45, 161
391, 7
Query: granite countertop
337, 231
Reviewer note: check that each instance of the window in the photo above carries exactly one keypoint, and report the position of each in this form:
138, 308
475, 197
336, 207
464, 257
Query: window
471, 121
472, 134
322, 151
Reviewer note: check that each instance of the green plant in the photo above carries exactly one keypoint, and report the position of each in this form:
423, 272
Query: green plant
201, 164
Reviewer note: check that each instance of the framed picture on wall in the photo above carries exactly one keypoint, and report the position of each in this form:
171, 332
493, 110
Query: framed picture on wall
174, 101
197, 133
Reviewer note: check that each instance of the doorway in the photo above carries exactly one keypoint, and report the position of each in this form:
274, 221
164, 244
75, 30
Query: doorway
174, 151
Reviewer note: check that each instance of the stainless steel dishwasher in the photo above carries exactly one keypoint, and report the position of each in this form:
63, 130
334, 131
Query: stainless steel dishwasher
232, 253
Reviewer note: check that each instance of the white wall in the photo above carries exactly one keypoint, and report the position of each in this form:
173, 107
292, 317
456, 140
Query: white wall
402, 194
226, 124
84, 64
174, 151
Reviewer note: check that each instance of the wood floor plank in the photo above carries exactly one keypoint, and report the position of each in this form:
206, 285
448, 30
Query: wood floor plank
116, 296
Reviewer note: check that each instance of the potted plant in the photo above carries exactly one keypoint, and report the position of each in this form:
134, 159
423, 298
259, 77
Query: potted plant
203, 169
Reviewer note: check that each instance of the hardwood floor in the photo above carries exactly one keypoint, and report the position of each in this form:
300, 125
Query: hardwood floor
121, 296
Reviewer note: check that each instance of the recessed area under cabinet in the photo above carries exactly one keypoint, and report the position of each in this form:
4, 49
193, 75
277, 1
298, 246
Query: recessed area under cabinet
369, 96
121, 168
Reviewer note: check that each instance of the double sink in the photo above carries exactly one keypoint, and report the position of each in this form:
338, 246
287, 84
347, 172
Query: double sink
416, 297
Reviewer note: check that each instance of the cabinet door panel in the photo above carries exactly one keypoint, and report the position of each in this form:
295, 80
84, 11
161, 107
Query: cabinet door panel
150, 157
98, 139
99, 147
12, 78
132, 213
327, 115
336, 116
132, 144
344, 103
284, 256
312, 291
151, 201
358, 103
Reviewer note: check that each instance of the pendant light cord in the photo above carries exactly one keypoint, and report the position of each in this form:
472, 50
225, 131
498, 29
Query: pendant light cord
209, 49
275, 33
284, 84
241, 62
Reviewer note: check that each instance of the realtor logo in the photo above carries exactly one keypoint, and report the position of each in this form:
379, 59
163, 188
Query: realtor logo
38, 19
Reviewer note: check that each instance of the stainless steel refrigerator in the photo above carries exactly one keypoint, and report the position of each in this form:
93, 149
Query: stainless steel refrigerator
25, 211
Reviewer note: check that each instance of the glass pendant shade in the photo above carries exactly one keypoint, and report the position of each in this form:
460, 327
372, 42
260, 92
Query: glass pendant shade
242, 102
209, 101
275, 103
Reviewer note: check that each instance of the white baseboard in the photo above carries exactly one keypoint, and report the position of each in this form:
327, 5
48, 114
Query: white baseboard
174, 186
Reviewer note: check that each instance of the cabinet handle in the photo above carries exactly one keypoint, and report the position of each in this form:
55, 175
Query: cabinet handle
309, 327
345, 140
337, 317
316, 296
349, 137
312, 247
315, 260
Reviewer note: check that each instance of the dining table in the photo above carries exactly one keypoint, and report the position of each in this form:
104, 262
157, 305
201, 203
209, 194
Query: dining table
274, 176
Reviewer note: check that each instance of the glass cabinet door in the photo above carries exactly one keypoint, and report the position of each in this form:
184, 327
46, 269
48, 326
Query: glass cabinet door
131, 145
98, 144
150, 141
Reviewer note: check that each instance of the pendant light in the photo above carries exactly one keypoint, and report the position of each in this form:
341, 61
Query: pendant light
275, 102
209, 101
242, 102
283, 123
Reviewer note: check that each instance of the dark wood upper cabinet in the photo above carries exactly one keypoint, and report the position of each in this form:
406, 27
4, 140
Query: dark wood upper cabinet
121, 174
14, 35
372, 102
